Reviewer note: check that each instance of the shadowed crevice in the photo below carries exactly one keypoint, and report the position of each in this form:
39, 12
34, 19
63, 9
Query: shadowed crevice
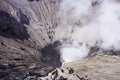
11, 28
23, 18
51, 54
33, 0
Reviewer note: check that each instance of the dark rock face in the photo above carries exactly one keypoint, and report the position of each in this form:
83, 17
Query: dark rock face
10, 27
57, 74
23, 18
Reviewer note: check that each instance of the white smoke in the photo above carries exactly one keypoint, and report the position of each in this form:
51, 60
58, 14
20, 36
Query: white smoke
74, 51
92, 23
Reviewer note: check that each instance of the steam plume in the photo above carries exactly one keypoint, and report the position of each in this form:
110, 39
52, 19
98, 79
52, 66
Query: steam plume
90, 23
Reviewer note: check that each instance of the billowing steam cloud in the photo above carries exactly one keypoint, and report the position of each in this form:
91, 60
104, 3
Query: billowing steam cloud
90, 23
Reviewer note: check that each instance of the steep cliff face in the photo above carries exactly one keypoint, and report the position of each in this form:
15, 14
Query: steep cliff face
38, 16
26, 26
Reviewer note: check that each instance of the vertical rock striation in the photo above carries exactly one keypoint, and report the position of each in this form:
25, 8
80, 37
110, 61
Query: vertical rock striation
26, 26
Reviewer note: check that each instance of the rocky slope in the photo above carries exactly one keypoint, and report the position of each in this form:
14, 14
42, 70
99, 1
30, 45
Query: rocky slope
25, 28
29, 48
100, 66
